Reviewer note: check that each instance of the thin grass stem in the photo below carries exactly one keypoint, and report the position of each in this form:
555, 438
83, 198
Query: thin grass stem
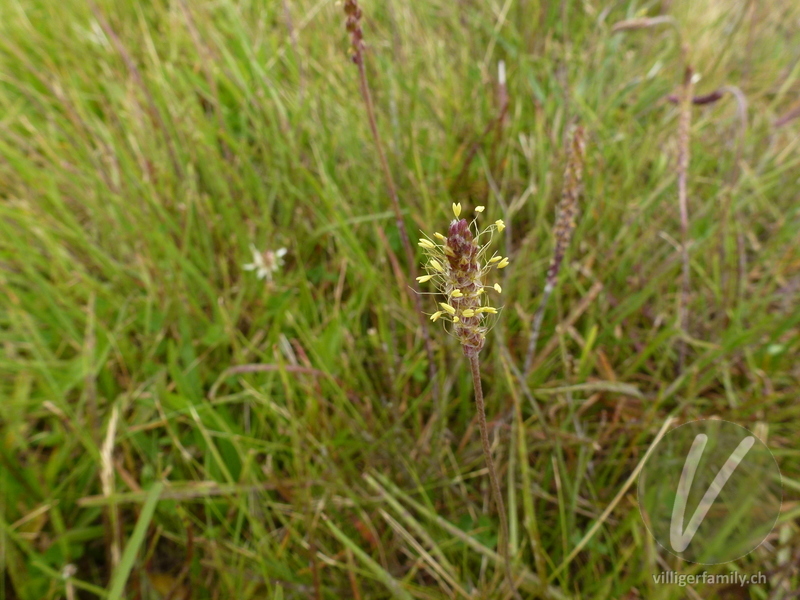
684, 126
475, 368
354, 26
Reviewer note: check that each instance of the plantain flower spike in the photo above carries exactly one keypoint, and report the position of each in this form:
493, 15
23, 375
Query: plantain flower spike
458, 265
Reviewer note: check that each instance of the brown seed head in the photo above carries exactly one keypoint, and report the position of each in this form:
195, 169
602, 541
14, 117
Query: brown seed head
568, 206
458, 266
465, 277
353, 26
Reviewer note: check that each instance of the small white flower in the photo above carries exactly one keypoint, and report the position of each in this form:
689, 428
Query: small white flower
265, 263
69, 571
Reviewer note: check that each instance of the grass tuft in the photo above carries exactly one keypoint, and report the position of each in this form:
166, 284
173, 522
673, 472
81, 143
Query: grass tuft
282, 437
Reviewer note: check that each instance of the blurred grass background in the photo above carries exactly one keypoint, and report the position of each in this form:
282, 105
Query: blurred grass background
145, 145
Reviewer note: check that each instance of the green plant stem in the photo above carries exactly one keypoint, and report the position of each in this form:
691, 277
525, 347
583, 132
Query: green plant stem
537, 326
475, 368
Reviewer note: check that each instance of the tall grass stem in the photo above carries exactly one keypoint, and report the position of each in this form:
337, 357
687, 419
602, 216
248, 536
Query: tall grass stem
354, 27
475, 368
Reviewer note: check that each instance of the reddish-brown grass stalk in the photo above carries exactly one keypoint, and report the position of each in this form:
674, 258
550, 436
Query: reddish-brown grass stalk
353, 24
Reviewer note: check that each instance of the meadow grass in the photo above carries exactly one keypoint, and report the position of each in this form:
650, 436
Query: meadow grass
145, 145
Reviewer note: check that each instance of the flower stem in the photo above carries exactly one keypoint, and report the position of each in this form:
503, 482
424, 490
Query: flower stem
684, 132
401, 226
503, 543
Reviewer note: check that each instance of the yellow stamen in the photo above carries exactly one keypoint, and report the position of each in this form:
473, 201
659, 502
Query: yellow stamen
449, 251
497, 288
457, 209
486, 309
424, 278
439, 236
468, 312
456, 320
447, 308
500, 224
436, 265
456, 294
503, 263
495, 259
480, 209
435, 316
427, 244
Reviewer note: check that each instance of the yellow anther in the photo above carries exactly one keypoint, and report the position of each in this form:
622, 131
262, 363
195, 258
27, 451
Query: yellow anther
456, 294
497, 288
439, 236
495, 259
480, 209
468, 312
427, 244
447, 308
435, 316
424, 278
457, 209
500, 225
486, 309
503, 263
436, 265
